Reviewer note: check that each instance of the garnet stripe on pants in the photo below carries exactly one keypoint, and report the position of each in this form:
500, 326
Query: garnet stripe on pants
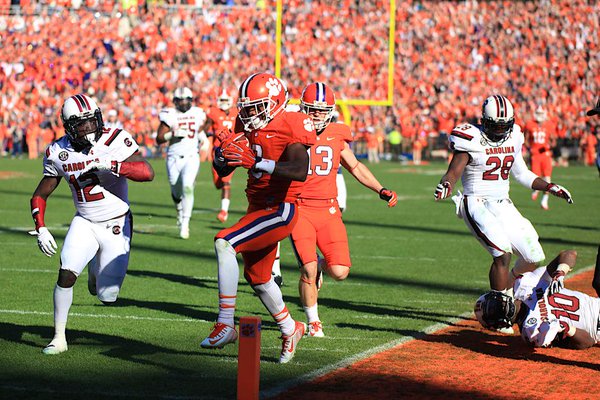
281, 217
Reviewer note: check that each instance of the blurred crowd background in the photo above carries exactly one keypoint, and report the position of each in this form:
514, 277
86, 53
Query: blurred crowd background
449, 56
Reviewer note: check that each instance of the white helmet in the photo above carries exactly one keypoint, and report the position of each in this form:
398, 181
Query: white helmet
497, 118
225, 101
82, 120
495, 310
183, 98
540, 114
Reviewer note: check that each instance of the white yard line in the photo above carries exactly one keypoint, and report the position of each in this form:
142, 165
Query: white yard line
110, 316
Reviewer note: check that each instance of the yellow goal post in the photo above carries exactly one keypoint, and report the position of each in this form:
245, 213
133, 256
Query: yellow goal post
345, 103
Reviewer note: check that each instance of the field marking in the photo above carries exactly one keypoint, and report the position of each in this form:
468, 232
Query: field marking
112, 316
371, 352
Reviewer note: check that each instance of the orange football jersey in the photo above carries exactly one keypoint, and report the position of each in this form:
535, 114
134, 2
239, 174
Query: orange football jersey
538, 136
221, 120
265, 190
325, 161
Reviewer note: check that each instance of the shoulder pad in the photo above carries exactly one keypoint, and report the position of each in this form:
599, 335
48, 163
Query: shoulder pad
464, 137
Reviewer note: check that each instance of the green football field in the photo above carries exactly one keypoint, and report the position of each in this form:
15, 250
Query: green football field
415, 267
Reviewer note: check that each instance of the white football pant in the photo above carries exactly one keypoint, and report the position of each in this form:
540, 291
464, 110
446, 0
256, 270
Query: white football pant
182, 171
108, 243
500, 228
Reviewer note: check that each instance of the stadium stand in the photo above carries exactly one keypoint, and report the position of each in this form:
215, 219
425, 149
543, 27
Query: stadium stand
449, 57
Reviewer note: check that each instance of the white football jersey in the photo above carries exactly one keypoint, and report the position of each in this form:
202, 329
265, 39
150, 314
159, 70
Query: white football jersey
542, 324
98, 196
487, 173
187, 130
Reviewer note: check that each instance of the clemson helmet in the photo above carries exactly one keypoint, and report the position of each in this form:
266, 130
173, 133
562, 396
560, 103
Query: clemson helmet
497, 118
225, 100
182, 98
318, 101
82, 120
495, 310
261, 97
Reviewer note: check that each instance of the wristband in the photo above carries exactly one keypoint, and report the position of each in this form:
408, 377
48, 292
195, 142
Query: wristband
264, 165
167, 136
563, 268
571, 331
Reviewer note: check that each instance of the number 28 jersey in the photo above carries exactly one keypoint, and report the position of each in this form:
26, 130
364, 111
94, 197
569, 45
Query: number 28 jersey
325, 161
101, 195
487, 173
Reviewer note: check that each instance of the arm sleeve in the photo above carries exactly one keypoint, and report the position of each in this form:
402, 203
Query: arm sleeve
521, 173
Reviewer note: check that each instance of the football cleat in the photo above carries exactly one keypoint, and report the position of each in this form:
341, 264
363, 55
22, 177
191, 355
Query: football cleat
534, 195
290, 343
221, 335
184, 232
222, 216
56, 346
545, 206
315, 329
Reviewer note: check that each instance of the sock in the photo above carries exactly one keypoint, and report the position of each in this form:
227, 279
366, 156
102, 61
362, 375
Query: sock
312, 313
185, 221
187, 203
545, 199
225, 204
229, 274
277, 264
270, 295
63, 298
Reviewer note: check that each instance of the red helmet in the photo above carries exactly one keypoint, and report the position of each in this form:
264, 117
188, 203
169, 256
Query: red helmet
261, 97
318, 101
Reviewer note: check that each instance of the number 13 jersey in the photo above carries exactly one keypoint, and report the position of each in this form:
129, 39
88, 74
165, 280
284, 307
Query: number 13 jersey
487, 173
325, 161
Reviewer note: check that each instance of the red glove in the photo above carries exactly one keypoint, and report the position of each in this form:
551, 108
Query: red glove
224, 134
237, 152
388, 195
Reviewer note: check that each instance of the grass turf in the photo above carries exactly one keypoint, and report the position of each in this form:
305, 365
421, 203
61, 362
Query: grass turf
414, 266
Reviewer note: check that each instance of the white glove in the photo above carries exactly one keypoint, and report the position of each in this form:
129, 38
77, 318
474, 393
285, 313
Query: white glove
46, 241
557, 284
559, 191
102, 164
442, 190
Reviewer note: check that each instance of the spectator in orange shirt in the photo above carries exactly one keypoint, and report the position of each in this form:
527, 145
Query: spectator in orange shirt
539, 135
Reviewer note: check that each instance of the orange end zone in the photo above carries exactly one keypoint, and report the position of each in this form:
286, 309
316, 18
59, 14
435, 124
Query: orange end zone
465, 362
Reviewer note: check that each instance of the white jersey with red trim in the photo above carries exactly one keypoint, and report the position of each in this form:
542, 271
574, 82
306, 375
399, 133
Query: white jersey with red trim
543, 322
487, 173
98, 196
188, 135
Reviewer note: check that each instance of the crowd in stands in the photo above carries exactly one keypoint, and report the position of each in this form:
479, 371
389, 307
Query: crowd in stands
449, 56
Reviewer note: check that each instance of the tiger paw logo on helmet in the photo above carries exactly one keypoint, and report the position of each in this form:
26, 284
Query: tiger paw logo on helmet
274, 85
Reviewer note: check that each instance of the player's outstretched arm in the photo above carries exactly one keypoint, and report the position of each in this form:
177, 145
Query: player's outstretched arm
135, 167
455, 169
364, 175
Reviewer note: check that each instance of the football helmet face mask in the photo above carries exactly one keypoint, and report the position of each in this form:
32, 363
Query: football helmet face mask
497, 118
495, 310
261, 97
182, 98
318, 101
82, 120
225, 101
